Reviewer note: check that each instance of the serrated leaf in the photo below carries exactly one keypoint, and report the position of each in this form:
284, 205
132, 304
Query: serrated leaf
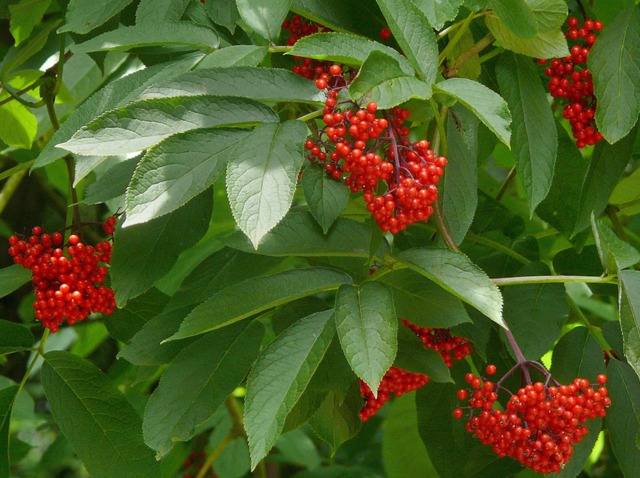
439, 12
147, 122
111, 184
234, 55
300, 235
626, 195
14, 337
623, 416
414, 357
264, 84
223, 13
367, 328
264, 16
262, 176
82, 17
422, 302
344, 48
23, 16
630, 317
152, 11
124, 323
516, 15
382, 81
486, 104
341, 16
12, 278
146, 252
534, 140
535, 313
325, 197
551, 44
7, 396
614, 62
614, 253
197, 382
278, 379
32, 47
101, 425
19, 125
411, 29
171, 173
160, 33
454, 272
256, 295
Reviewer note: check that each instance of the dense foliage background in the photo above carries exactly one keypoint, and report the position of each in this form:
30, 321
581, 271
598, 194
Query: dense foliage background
257, 299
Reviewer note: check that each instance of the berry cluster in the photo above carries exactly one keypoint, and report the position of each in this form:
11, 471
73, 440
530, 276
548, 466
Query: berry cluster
300, 27
66, 286
398, 382
365, 147
540, 423
571, 79
194, 463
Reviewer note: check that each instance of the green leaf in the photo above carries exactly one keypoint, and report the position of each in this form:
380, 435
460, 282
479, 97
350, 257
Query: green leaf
630, 317
234, 55
367, 328
115, 94
256, 295
160, 33
14, 337
415, 36
12, 278
344, 48
153, 11
171, 173
614, 62
607, 166
101, 425
516, 15
535, 313
19, 125
422, 302
439, 12
23, 16
626, 195
146, 252
486, 104
325, 197
552, 44
264, 84
111, 184
264, 16
454, 272
7, 396
299, 235
622, 418
197, 382
403, 452
534, 141
262, 176
279, 377
147, 122
414, 357
82, 17
577, 354
124, 323
382, 81
34, 46
223, 13
614, 253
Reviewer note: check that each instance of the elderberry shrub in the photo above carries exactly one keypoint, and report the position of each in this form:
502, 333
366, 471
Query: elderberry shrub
571, 79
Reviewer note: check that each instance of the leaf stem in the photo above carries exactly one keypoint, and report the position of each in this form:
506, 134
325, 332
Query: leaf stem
14, 96
456, 38
506, 281
506, 183
238, 428
444, 32
474, 50
279, 49
215, 453
310, 116
497, 246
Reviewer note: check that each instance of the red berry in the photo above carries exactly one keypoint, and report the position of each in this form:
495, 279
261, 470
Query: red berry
385, 33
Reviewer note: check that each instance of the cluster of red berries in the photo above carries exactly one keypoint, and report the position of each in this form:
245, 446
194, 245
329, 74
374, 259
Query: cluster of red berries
194, 463
540, 423
66, 286
398, 382
365, 146
300, 27
571, 79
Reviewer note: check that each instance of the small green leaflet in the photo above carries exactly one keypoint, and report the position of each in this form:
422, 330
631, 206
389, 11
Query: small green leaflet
264, 16
630, 317
439, 12
516, 15
325, 196
367, 328
551, 44
147, 122
614, 62
262, 176
454, 272
234, 55
486, 104
12, 278
280, 376
23, 16
184, 34
82, 16
14, 337
101, 425
614, 253
176, 170
197, 382
19, 125
256, 295
337, 420
153, 11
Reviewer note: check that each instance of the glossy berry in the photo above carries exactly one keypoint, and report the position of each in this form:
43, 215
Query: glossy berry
385, 33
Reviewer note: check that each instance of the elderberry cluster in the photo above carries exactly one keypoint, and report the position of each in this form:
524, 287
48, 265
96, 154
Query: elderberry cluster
540, 423
398, 382
194, 463
571, 79
67, 278
300, 27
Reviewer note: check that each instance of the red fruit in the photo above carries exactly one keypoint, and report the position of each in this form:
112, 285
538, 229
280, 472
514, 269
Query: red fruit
385, 33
